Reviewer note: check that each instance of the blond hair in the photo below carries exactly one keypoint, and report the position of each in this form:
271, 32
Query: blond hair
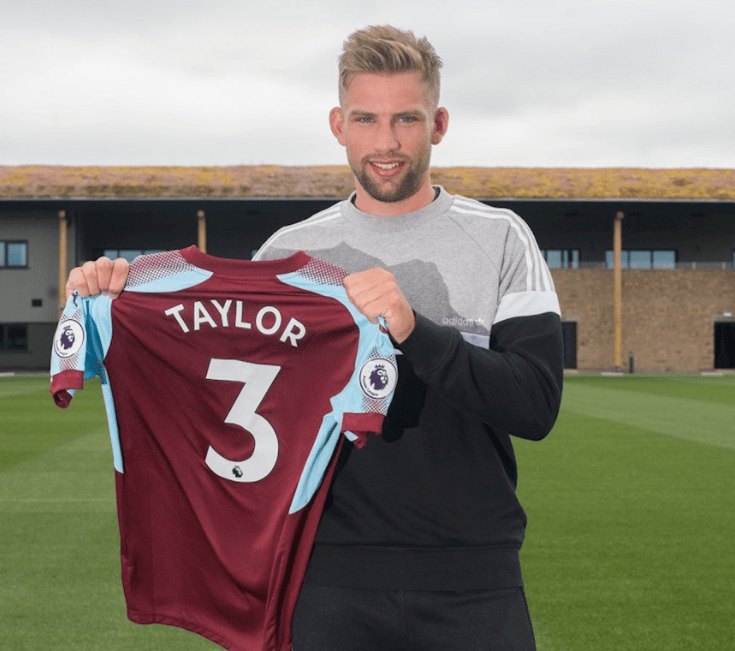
385, 49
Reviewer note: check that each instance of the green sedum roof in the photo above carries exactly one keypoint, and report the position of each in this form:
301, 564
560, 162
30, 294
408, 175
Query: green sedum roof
44, 181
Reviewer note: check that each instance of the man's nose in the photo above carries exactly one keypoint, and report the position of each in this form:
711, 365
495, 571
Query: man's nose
386, 140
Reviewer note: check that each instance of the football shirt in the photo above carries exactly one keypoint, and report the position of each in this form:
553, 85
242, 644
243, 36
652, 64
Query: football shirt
227, 386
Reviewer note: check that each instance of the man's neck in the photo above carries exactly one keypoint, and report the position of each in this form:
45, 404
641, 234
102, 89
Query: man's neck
368, 204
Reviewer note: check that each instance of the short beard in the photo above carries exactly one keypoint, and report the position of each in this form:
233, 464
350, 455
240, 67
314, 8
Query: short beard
389, 194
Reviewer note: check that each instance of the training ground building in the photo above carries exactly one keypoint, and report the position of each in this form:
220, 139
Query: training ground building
643, 259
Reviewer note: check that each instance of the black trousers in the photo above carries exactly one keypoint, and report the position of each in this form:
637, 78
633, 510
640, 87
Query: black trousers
347, 619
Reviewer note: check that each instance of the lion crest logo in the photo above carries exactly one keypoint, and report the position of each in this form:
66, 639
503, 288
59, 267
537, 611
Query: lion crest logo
69, 338
378, 378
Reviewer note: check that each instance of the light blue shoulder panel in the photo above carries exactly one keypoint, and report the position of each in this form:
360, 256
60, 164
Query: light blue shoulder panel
163, 272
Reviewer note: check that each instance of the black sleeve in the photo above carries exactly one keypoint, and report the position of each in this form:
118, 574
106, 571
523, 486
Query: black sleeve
514, 386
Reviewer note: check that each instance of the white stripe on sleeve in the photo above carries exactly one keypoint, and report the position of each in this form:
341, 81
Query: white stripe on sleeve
527, 304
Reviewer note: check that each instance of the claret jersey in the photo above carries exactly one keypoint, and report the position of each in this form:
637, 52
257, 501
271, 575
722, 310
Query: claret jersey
227, 385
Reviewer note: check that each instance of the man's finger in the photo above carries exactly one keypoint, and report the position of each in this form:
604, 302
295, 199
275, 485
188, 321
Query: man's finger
90, 276
76, 283
376, 294
101, 271
118, 277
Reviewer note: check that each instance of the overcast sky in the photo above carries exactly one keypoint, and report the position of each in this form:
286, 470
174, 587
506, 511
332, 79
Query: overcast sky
551, 83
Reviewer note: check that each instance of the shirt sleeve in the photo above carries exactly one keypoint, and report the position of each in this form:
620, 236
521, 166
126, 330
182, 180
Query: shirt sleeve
514, 386
371, 388
515, 383
79, 346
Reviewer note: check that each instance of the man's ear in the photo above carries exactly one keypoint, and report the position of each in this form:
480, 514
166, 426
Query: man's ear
337, 124
441, 124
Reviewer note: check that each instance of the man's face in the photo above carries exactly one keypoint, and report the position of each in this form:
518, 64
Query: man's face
387, 124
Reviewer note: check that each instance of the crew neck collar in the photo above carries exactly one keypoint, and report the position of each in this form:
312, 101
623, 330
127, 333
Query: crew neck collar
441, 204
225, 266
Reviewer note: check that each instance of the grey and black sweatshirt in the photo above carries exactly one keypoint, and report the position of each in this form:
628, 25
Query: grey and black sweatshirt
431, 504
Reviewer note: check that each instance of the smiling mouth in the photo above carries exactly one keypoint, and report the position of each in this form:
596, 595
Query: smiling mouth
387, 169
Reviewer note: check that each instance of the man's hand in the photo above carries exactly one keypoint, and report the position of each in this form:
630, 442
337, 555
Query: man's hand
376, 293
102, 276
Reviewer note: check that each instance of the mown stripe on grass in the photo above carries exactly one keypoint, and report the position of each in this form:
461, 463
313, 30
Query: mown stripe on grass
628, 549
30, 422
22, 384
61, 478
697, 387
705, 422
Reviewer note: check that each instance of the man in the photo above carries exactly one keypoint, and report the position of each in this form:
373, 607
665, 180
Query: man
418, 546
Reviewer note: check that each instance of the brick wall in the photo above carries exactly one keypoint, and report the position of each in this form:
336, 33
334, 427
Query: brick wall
668, 316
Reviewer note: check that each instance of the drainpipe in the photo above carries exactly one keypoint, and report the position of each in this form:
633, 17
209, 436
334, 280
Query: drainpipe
201, 231
63, 262
618, 291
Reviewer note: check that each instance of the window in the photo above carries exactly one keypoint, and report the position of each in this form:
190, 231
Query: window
664, 259
643, 259
13, 254
13, 336
639, 259
128, 254
562, 258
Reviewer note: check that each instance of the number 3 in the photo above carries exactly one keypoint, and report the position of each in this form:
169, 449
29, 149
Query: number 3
257, 379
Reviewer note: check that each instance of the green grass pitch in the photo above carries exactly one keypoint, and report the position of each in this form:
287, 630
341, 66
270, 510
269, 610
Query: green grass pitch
630, 543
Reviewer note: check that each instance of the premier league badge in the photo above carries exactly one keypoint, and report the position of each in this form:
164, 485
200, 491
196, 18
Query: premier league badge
378, 378
69, 338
